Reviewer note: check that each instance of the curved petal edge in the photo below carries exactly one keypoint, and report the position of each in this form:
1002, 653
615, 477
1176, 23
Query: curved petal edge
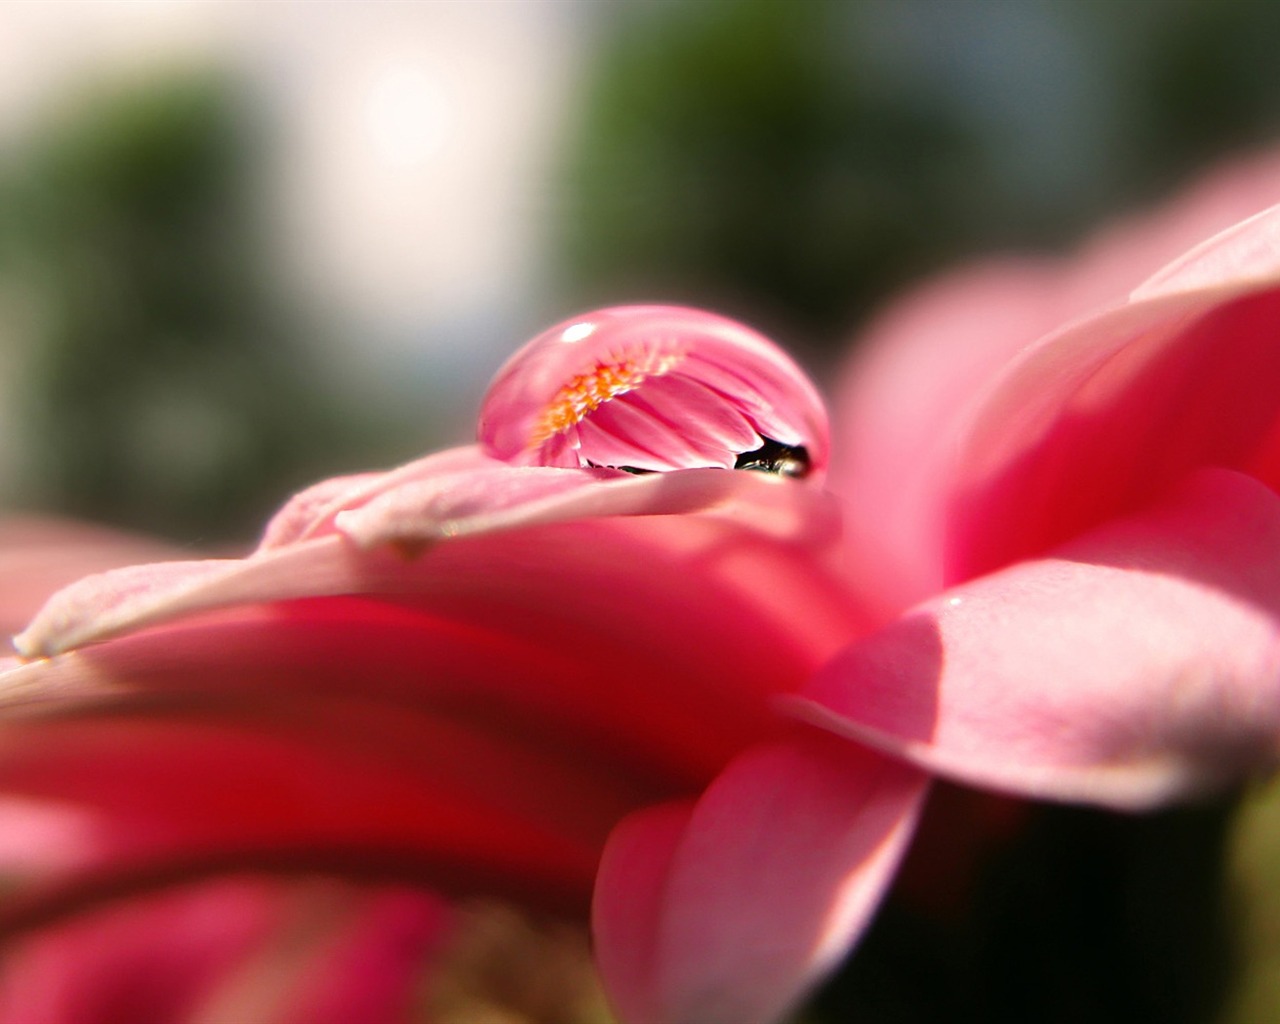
1139, 663
730, 911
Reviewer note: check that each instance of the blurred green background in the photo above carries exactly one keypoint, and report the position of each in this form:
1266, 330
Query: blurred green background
162, 386
802, 160
789, 163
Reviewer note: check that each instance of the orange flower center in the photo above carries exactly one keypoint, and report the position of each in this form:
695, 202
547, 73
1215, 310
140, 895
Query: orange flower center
588, 391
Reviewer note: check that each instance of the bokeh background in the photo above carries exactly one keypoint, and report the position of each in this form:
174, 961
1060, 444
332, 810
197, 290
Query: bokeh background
246, 245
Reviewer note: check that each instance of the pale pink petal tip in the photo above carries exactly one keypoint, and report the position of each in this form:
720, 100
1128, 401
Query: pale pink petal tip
1245, 253
654, 388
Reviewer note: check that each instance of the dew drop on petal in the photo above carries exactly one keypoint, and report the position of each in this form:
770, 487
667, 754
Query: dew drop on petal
681, 387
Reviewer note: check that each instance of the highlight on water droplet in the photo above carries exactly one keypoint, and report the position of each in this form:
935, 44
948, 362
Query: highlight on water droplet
655, 388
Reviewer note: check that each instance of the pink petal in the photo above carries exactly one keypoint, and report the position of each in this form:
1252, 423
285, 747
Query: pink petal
730, 910
480, 500
1247, 254
416, 513
37, 556
1102, 417
103, 605
922, 363
629, 907
506, 497
518, 625
311, 512
556, 385
1139, 663
1082, 420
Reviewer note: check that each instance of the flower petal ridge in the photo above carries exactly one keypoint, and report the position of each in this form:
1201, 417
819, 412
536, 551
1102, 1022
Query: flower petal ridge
652, 389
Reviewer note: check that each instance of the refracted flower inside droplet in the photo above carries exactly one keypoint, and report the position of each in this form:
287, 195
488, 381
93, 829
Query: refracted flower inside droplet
655, 388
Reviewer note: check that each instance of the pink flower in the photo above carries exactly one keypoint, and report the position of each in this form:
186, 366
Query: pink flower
486, 677
584, 660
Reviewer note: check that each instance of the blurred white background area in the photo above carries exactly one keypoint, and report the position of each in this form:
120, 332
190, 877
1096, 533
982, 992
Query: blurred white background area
403, 154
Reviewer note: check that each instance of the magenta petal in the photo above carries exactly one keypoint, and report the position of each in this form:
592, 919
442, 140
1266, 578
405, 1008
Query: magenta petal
516, 682
158, 959
727, 913
1139, 663
341, 786
239, 949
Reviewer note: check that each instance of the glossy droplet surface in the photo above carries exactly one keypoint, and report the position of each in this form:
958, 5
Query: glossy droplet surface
655, 388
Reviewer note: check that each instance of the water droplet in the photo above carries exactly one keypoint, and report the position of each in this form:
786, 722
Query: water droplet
653, 389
